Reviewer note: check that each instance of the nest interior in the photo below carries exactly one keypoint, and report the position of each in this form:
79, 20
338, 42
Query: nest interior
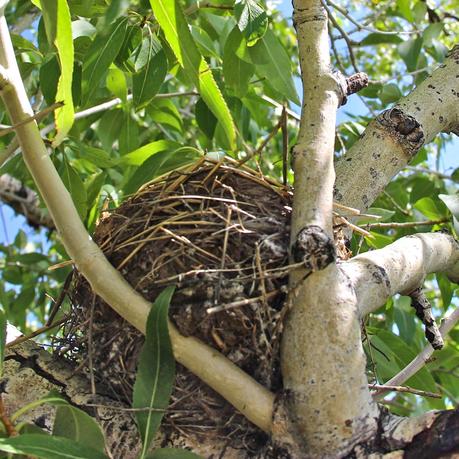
220, 234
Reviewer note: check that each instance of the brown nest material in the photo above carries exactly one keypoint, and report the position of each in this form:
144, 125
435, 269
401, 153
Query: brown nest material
220, 234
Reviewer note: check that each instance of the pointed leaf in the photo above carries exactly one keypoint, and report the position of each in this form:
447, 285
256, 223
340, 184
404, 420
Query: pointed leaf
75, 186
75, 424
146, 83
139, 156
178, 35
100, 55
251, 20
156, 371
58, 25
277, 69
48, 447
159, 164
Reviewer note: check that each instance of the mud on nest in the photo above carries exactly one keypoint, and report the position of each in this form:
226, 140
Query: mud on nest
220, 234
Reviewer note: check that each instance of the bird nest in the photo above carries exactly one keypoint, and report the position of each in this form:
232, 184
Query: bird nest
220, 234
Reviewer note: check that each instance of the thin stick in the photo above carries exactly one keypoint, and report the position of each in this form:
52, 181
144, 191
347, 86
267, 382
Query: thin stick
397, 225
38, 116
411, 390
422, 358
6, 421
37, 332
239, 303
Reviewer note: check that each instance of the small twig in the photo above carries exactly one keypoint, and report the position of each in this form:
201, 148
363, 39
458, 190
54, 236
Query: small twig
411, 390
37, 332
263, 144
290, 112
60, 299
38, 116
422, 358
346, 14
239, 303
345, 36
397, 225
6, 421
396, 205
356, 228
200, 5
438, 174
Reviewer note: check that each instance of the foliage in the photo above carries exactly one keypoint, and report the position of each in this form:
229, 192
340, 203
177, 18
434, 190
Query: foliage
192, 80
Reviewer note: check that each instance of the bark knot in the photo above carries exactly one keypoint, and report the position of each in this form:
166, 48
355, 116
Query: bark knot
314, 248
405, 129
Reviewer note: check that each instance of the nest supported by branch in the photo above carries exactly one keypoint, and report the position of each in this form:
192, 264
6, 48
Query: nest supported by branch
221, 235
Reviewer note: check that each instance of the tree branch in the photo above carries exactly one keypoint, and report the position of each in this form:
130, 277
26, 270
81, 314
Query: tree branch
396, 135
320, 412
249, 397
401, 267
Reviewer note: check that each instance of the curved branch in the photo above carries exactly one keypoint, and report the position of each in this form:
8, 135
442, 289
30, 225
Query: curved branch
401, 267
249, 397
395, 136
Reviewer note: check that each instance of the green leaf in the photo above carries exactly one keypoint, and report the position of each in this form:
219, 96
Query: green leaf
428, 207
116, 83
156, 371
75, 186
237, 72
251, 20
172, 21
379, 39
159, 164
205, 119
446, 289
398, 354
100, 55
115, 9
390, 93
93, 186
97, 156
146, 83
204, 42
76, 425
404, 318
139, 156
172, 453
409, 51
48, 447
129, 135
58, 25
383, 213
277, 70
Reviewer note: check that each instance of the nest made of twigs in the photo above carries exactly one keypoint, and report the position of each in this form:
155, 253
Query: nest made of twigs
220, 234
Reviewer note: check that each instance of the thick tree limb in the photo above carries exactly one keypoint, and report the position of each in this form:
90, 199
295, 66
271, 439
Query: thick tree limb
401, 267
396, 135
253, 400
322, 414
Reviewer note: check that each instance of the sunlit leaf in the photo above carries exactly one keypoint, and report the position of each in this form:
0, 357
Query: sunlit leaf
58, 24
172, 21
